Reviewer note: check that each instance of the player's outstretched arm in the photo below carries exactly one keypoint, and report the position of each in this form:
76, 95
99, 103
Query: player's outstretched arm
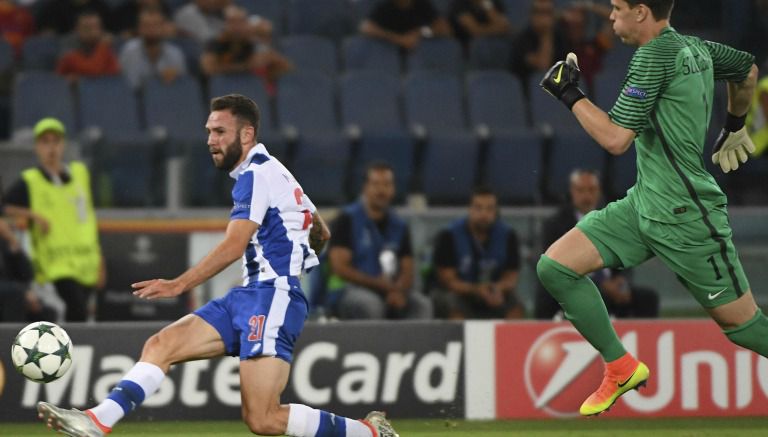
562, 82
733, 145
239, 233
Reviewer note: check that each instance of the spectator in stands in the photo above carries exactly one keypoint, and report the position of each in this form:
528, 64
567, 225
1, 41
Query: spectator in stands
90, 53
236, 51
404, 22
55, 199
61, 16
202, 20
621, 297
589, 49
16, 24
370, 251
477, 260
536, 47
478, 18
125, 17
18, 302
151, 55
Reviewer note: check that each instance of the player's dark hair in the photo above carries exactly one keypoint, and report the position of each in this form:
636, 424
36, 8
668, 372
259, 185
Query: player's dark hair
243, 108
481, 190
377, 166
661, 9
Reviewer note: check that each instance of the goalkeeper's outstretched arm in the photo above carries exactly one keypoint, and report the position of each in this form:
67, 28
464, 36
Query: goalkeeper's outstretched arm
733, 146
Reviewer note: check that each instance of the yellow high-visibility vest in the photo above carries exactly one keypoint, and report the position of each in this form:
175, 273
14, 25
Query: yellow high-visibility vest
757, 121
70, 249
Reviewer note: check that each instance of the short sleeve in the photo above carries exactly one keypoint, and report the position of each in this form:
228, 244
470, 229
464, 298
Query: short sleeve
341, 232
17, 195
729, 64
648, 76
250, 197
405, 245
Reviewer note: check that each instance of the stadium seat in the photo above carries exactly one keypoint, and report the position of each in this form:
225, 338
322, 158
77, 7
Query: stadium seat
363, 53
393, 147
128, 168
433, 100
159, 100
39, 94
570, 150
363, 8
311, 52
489, 53
6, 56
548, 111
495, 100
442, 54
329, 18
517, 13
192, 51
305, 101
515, 180
40, 52
451, 169
320, 166
608, 85
370, 101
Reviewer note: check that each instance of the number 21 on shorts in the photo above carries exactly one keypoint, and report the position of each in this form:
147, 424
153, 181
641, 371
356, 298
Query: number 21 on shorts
257, 327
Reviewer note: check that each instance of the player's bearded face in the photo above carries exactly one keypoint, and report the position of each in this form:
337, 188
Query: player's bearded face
230, 155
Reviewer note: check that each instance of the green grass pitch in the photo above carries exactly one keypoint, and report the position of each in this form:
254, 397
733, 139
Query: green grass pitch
597, 427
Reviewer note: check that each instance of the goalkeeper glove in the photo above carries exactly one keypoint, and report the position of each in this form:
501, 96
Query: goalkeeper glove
733, 144
562, 81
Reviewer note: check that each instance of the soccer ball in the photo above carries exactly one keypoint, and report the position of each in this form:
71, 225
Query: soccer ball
42, 352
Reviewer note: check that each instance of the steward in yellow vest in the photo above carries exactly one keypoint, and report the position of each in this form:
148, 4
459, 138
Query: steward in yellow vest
757, 117
56, 199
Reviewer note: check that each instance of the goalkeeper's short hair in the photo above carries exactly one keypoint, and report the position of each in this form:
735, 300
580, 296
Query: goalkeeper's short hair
661, 9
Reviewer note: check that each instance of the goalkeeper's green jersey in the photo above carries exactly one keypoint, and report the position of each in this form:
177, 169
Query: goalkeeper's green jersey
666, 98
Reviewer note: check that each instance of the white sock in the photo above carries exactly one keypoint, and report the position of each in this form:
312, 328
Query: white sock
146, 375
304, 421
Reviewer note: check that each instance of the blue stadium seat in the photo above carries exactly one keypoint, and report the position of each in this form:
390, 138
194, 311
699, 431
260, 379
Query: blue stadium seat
547, 110
320, 166
622, 172
495, 99
363, 8
434, 100
192, 51
570, 150
450, 169
517, 12
330, 18
363, 53
515, 180
40, 52
370, 100
305, 101
160, 101
6, 56
311, 52
489, 53
393, 147
442, 54
127, 163
39, 94
608, 84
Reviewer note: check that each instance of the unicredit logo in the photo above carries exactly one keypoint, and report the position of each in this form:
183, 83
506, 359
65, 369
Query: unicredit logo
561, 370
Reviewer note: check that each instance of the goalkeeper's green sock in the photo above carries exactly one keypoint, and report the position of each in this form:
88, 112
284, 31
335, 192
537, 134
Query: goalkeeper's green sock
752, 334
582, 305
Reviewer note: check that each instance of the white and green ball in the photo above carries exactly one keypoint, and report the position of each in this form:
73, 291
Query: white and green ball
42, 352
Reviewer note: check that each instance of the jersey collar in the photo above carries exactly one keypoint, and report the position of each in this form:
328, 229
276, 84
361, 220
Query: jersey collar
237, 171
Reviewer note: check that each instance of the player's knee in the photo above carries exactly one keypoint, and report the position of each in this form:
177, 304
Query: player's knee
546, 270
263, 423
156, 350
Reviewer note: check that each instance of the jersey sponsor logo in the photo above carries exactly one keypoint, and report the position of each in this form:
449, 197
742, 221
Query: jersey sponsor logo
635, 92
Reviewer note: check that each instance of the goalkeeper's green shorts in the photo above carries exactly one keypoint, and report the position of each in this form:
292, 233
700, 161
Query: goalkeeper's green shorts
700, 252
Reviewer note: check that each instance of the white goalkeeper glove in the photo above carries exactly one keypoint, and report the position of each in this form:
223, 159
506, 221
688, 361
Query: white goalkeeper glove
733, 145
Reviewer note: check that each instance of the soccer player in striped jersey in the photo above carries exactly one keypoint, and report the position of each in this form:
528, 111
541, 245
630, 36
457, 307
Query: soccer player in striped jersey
675, 210
276, 230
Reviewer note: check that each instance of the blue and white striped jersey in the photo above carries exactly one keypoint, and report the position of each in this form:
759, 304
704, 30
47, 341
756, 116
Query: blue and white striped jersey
265, 192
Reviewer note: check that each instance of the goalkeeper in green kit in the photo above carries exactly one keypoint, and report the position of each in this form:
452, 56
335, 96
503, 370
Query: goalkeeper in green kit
675, 210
